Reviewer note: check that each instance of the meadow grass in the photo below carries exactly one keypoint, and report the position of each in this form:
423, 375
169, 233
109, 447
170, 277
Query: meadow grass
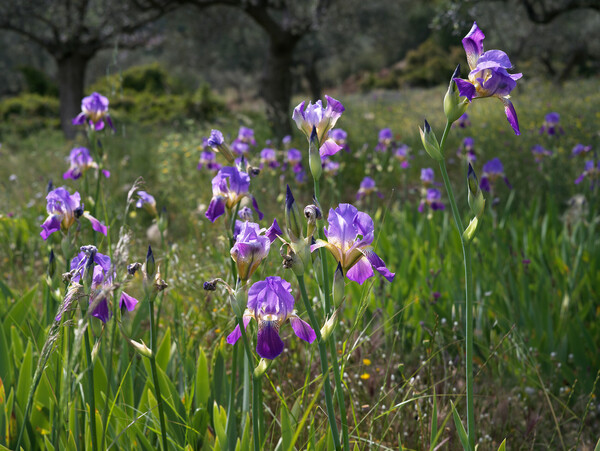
536, 262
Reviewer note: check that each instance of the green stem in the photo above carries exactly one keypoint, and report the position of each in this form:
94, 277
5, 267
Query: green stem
256, 387
163, 428
324, 364
231, 402
109, 369
339, 391
466, 250
91, 394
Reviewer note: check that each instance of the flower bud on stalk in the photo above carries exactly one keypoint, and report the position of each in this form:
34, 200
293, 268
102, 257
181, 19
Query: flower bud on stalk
314, 157
88, 272
51, 264
238, 301
338, 286
455, 105
475, 195
150, 264
262, 367
292, 217
430, 142
312, 213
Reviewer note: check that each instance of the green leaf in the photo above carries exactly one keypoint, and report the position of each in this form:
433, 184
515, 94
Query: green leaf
434, 424
5, 364
286, 429
163, 354
202, 391
502, 446
597, 447
24, 383
462, 434
219, 422
17, 313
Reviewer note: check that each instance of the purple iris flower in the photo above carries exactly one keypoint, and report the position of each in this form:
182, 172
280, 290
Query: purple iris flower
467, 150
384, 140
102, 277
271, 304
463, 121
287, 140
339, 135
293, 157
432, 200
322, 119
540, 153
94, 108
229, 187
492, 171
240, 147
580, 149
147, 202
330, 167
208, 160
349, 235
402, 155
368, 186
427, 176
488, 76
268, 157
551, 125
63, 209
245, 214
80, 161
591, 170
252, 247
246, 135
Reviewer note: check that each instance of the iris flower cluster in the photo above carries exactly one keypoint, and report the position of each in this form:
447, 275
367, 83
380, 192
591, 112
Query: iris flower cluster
488, 76
64, 210
94, 110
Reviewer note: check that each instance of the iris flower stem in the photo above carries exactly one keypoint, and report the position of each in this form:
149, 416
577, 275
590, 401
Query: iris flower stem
90, 378
161, 416
324, 364
466, 249
109, 367
231, 403
256, 387
339, 391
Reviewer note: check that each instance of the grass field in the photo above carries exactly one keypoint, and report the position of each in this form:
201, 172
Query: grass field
399, 345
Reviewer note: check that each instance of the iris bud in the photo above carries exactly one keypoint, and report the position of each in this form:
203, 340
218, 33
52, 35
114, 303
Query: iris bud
292, 217
150, 265
314, 157
430, 142
312, 213
475, 196
51, 264
454, 105
338, 286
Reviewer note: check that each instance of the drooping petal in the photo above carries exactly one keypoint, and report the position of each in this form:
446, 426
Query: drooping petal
465, 88
127, 301
234, 336
268, 343
329, 147
302, 329
216, 208
79, 119
361, 271
101, 311
255, 206
96, 225
379, 265
50, 225
511, 115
